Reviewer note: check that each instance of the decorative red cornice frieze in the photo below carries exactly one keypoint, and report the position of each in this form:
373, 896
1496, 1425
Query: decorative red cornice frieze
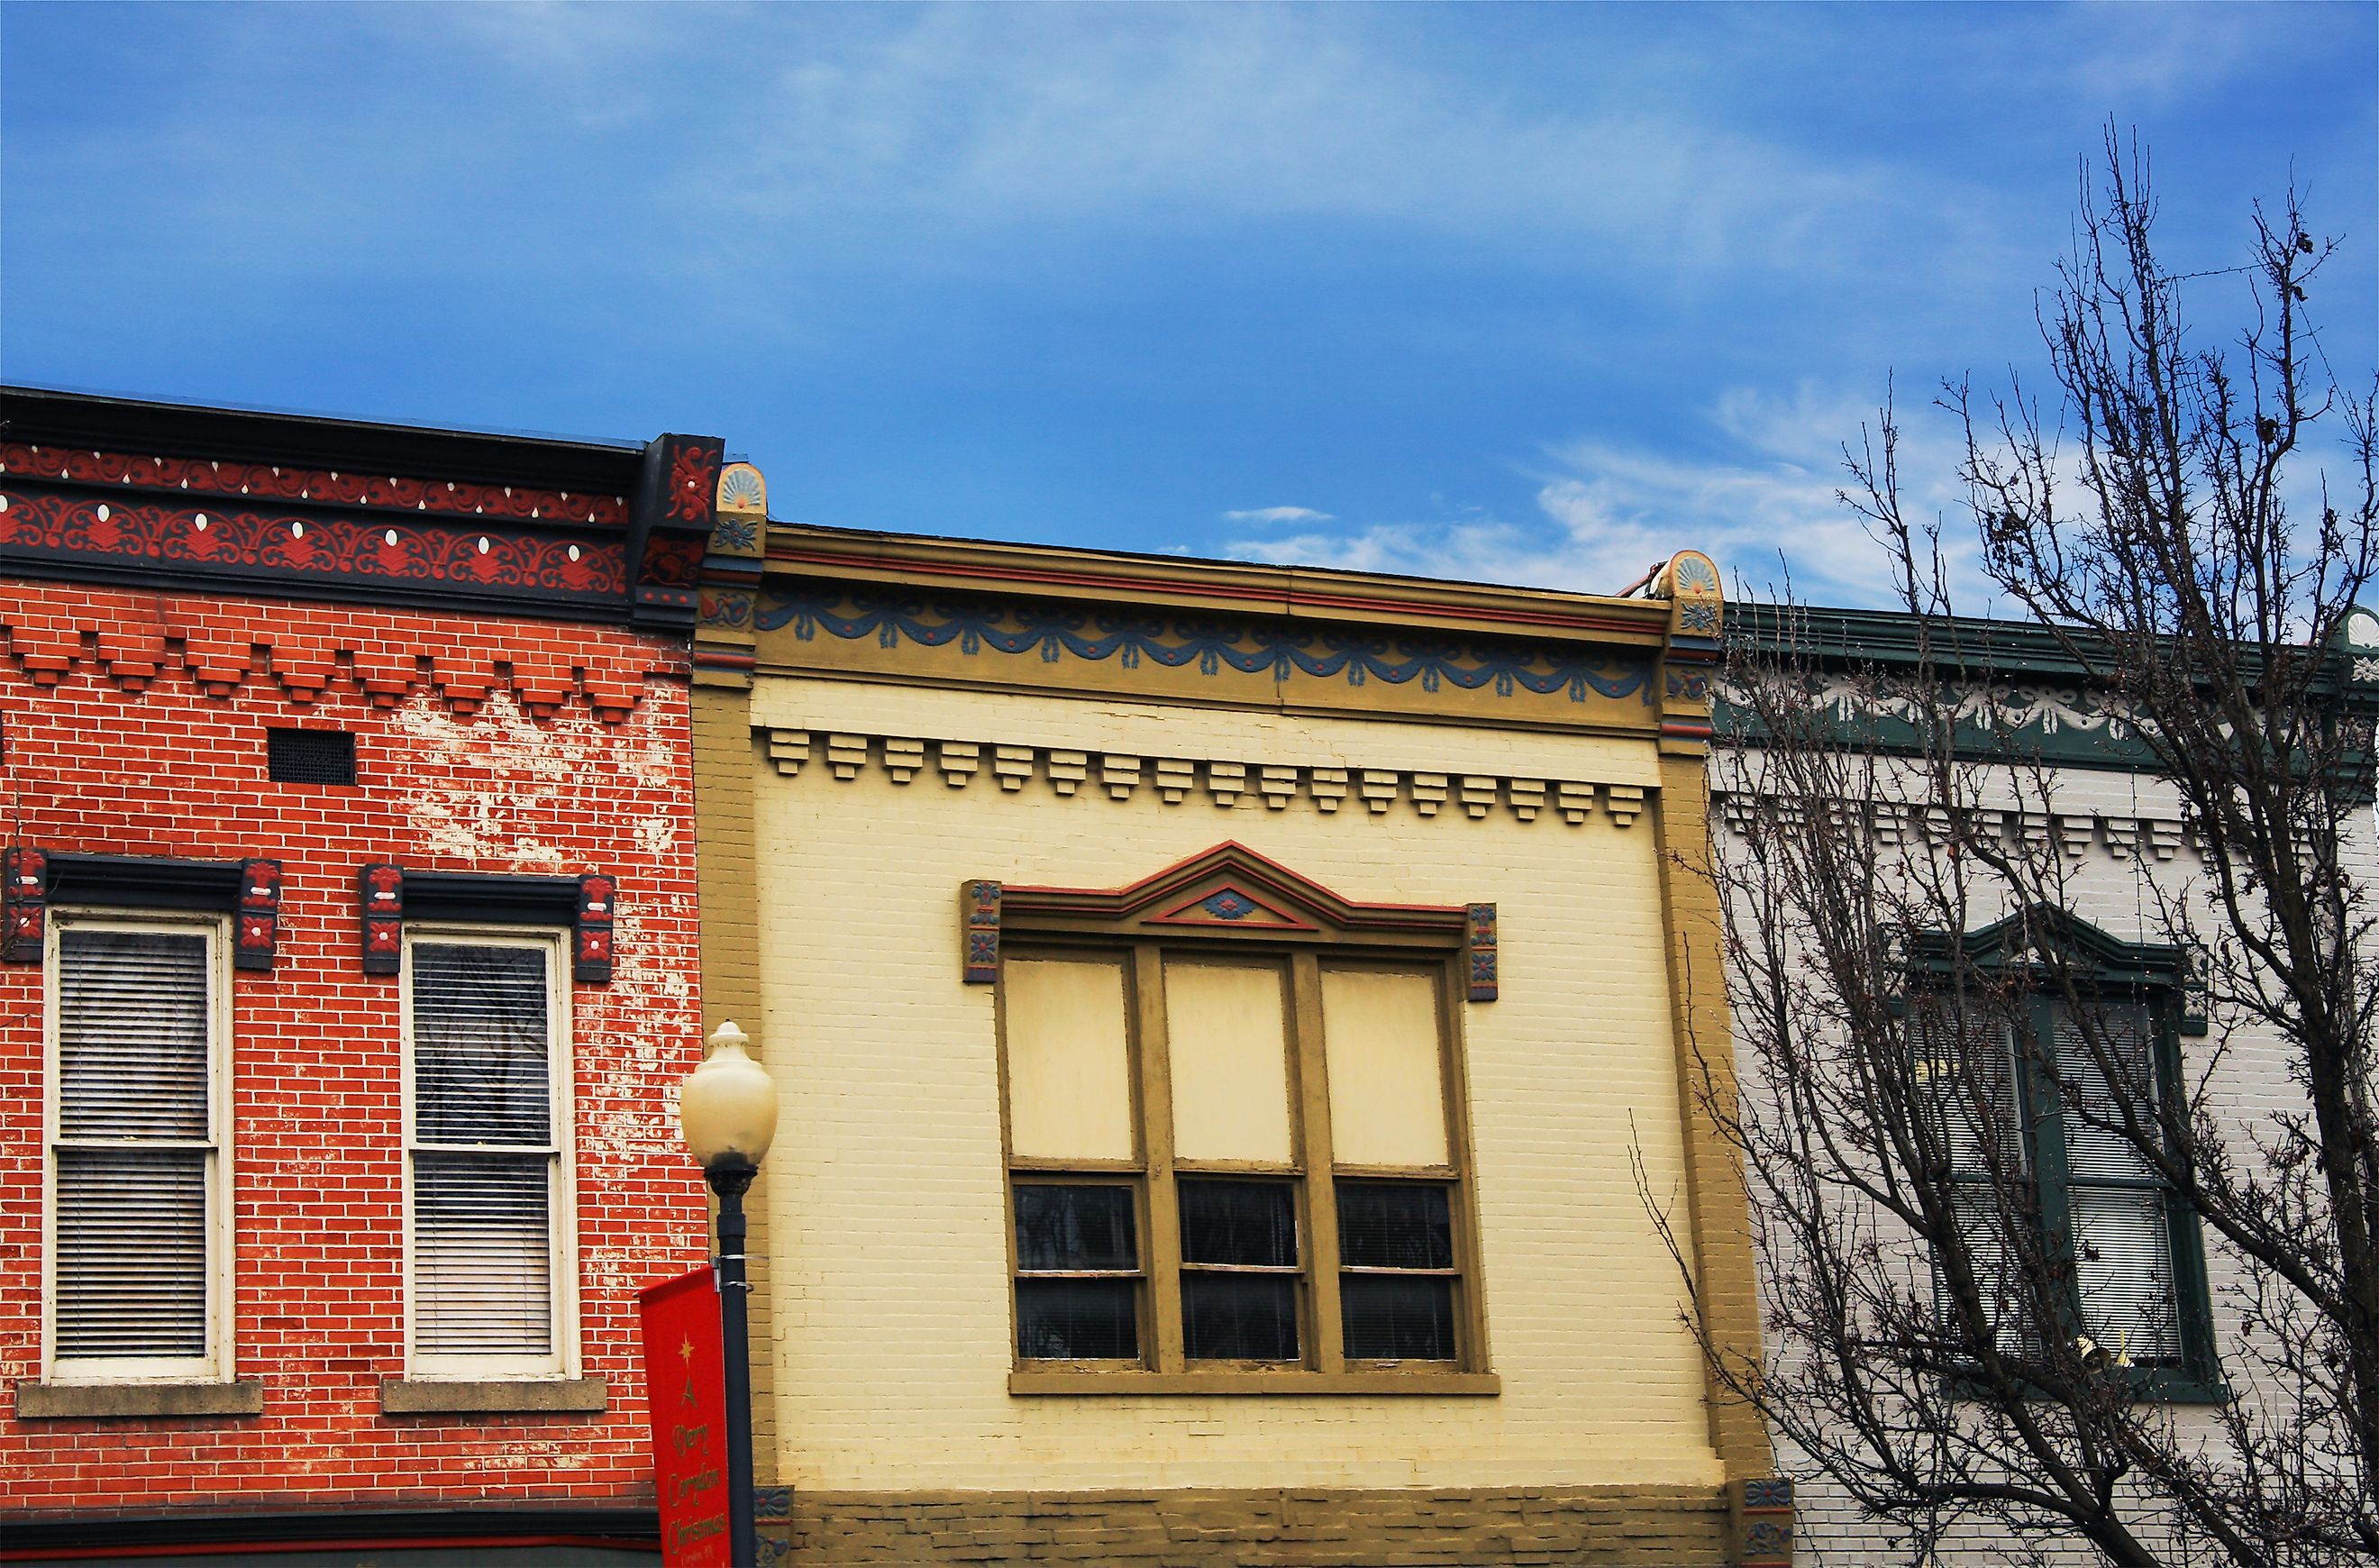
321, 486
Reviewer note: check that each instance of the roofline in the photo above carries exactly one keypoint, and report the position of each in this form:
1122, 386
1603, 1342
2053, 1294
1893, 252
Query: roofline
1840, 638
46, 416
1220, 588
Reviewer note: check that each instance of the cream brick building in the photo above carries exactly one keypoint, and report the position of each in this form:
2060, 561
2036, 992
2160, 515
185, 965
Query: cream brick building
1221, 1014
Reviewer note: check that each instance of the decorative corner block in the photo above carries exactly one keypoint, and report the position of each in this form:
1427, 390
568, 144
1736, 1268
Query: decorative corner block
24, 905
1479, 943
1762, 1507
590, 938
979, 904
259, 915
2196, 988
379, 903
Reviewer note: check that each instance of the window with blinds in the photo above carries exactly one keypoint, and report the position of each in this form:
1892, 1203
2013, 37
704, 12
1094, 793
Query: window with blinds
1965, 1068
136, 1153
2036, 1098
1233, 1164
2122, 1211
486, 1118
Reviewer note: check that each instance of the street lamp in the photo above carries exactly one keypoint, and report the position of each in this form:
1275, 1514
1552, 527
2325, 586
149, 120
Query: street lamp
727, 1107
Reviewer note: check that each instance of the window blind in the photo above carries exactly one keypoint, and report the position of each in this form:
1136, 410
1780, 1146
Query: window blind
1395, 1243
1964, 1068
2122, 1211
135, 1153
1239, 1271
1077, 1262
485, 1155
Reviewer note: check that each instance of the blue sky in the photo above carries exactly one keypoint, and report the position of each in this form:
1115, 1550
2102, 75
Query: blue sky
1529, 293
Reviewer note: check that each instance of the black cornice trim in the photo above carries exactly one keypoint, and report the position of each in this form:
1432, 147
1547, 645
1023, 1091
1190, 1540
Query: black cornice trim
143, 881
44, 418
630, 1527
496, 897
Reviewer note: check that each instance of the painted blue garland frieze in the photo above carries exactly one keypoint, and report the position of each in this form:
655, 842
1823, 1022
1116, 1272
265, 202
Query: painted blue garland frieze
1250, 648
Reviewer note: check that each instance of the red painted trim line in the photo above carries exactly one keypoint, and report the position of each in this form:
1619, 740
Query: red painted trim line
359, 1543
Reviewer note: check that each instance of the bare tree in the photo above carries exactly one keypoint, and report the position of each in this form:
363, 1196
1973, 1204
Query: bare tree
1990, 1147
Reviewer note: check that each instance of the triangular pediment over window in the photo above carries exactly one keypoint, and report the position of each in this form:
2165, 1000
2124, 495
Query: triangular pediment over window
1227, 893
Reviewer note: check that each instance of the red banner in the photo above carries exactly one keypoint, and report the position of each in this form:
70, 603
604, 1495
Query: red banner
685, 1383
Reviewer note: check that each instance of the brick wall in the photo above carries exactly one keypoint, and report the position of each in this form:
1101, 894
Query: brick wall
134, 725
1600, 1527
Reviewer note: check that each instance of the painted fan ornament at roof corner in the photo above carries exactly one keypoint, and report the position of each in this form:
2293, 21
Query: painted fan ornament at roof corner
742, 488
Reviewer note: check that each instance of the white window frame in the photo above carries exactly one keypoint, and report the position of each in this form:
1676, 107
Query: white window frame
216, 1365
562, 1209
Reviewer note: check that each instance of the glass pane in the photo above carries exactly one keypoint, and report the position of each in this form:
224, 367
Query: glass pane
482, 1254
1076, 1320
1984, 1227
480, 1038
1075, 1227
1239, 1317
1397, 1317
1239, 1222
2122, 1264
1395, 1225
2092, 1101
1963, 1060
1069, 1059
133, 1010
132, 1252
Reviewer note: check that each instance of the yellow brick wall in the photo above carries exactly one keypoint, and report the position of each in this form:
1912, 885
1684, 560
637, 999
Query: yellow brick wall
891, 1319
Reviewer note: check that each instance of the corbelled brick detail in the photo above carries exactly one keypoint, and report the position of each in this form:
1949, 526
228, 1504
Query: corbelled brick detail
1601, 1526
50, 635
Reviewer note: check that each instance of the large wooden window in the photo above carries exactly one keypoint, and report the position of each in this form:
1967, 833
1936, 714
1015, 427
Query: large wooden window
1236, 1166
138, 1254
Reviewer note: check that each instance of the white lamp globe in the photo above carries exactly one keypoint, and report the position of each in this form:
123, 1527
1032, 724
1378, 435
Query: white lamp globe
726, 1106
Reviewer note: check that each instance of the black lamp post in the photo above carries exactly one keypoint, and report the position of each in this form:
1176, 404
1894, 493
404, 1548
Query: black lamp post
728, 1109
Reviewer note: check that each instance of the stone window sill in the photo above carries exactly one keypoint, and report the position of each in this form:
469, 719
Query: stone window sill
46, 1401
580, 1396
1457, 1384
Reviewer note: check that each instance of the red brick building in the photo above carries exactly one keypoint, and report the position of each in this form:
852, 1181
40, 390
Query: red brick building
350, 966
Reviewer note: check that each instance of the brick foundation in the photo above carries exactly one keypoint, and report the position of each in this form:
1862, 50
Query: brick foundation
1605, 1527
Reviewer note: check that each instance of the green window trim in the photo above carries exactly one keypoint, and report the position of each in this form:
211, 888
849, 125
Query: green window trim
2161, 981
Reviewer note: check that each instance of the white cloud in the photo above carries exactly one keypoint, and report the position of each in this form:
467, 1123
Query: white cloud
1278, 515
1763, 501
966, 120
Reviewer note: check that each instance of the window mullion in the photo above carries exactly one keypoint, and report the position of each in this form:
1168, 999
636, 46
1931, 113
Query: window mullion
2052, 1172
2188, 1244
1161, 1255
1321, 1186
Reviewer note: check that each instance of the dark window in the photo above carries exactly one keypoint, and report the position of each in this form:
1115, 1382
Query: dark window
1077, 1267
1395, 1246
1239, 1271
310, 756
